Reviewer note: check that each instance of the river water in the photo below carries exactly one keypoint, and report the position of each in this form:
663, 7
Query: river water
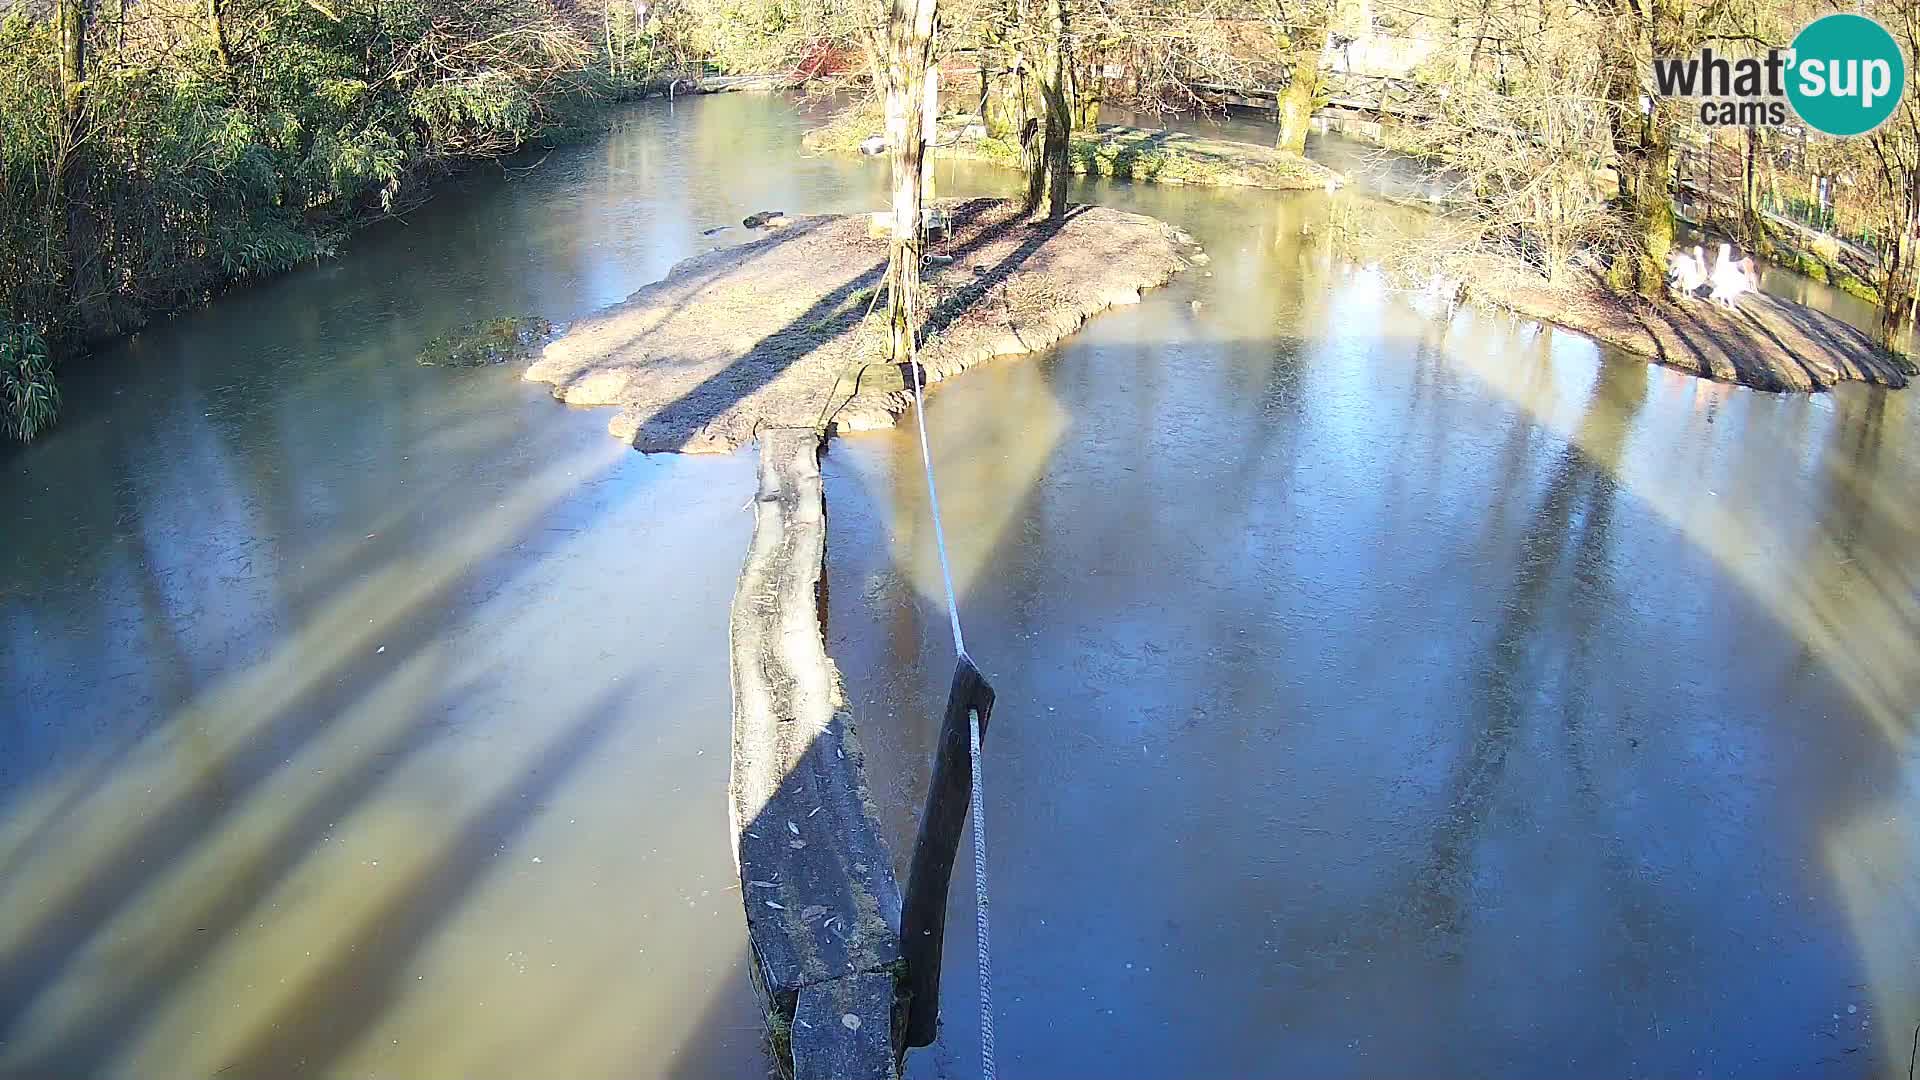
1379, 695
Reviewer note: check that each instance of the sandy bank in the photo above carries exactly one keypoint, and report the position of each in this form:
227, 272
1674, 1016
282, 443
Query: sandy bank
1766, 343
784, 331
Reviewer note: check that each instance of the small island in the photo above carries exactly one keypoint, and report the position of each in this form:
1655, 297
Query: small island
789, 330
1764, 342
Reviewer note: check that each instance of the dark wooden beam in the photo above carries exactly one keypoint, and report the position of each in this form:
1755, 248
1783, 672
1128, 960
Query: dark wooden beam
923, 917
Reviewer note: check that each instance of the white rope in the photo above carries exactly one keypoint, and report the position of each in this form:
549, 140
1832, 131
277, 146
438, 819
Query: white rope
983, 961
980, 902
933, 495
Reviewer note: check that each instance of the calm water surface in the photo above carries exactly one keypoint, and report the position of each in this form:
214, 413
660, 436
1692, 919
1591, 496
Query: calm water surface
1379, 696
1384, 696
359, 718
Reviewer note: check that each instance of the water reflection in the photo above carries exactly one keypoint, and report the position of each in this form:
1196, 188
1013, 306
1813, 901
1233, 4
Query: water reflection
1379, 695
365, 718
1384, 695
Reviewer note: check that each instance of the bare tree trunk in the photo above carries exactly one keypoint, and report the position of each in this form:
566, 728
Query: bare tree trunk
1006, 106
1047, 182
1773, 180
1004, 111
1652, 205
1296, 101
217, 30
70, 177
986, 76
1897, 291
1470, 59
1643, 144
71, 17
909, 54
929, 128
1087, 89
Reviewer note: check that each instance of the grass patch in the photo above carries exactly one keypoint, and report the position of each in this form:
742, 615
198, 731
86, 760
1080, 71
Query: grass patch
489, 341
848, 128
1807, 264
1853, 286
1165, 157
780, 1043
1834, 272
1821, 258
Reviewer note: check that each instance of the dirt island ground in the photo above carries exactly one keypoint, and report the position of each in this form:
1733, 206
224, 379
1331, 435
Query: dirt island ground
1765, 342
789, 330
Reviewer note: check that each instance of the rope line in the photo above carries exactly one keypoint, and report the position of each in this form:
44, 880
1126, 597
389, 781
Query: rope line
933, 494
980, 902
983, 961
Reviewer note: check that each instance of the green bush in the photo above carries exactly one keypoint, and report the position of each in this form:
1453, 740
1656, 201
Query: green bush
750, 37
1811, 266
183, 171
29, 397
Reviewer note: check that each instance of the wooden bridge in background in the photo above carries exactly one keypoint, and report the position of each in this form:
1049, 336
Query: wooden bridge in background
1372, 96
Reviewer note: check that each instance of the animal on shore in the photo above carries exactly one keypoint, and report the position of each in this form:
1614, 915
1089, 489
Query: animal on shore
874, 145
1686, 271
1732, 277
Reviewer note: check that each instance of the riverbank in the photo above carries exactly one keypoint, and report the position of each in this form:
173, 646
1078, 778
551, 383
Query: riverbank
784, 331
1821, 257
203, 169
1766, 343
1110, 150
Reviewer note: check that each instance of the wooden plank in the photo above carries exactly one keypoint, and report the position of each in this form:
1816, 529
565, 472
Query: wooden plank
923, 923
1378, 95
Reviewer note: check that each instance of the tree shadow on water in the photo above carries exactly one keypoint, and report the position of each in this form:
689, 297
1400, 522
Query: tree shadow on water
201, 817
171, 831
347, 996
104, 1030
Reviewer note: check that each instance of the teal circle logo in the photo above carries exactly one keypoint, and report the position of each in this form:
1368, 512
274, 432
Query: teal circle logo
1846, 75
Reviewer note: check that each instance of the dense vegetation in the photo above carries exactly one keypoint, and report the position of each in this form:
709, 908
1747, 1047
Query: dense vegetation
152, 153
1544, 111
156, 151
